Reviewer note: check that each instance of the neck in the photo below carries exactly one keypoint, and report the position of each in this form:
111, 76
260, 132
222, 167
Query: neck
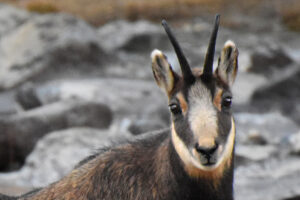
195, 188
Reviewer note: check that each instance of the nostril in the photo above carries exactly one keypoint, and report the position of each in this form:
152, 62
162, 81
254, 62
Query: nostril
200, 149
206, 150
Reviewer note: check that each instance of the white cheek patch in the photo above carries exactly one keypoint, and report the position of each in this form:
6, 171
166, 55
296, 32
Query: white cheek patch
181, 149
227, 152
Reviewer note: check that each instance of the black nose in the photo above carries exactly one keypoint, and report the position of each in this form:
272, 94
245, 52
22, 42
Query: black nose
206, 150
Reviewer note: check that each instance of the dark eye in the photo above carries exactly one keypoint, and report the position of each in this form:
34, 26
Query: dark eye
175, 108
226, 102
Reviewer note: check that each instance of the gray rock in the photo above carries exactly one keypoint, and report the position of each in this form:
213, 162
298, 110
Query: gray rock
20, 132
131, 44
273, 127
49, 45
27, 98
283, 95
144, 126
274, 179
141, 103
8, 104
265, 61
294, 142
134, 99
56, 154
4, 197
255, 152
245, 85
11, 18
140, 36
256, 138
294, 197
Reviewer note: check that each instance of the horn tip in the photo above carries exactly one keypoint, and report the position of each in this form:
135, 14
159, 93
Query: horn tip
166, 26
217, 20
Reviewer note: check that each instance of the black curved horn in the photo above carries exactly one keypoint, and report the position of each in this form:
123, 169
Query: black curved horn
209, 58
184, 65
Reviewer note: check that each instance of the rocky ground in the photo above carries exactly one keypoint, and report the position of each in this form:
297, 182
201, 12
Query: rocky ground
67, 88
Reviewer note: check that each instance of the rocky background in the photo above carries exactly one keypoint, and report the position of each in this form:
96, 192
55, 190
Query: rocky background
68, 88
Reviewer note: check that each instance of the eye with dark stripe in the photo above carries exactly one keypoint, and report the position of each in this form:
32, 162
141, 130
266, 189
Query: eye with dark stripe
175, 108
226, 102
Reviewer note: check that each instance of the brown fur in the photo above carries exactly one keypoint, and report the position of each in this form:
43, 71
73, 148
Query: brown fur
79, 183
183, 103
218, 98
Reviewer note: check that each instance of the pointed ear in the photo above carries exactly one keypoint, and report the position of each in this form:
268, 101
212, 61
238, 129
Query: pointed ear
228, 63
163, 73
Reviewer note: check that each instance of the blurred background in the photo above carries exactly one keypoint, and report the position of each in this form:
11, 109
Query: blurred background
76, 75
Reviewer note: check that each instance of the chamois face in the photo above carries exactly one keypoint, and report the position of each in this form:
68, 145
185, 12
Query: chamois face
200, 104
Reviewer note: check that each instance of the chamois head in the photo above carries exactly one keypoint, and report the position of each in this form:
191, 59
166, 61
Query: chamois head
203, 129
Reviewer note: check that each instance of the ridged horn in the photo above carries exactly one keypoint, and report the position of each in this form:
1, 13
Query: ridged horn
184, 65
209, 58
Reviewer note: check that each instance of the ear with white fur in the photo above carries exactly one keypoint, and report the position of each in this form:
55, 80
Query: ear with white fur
163, 73
228, 63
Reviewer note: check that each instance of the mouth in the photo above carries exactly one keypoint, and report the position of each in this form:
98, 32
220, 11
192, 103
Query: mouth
209, 163
207, 160
204, 162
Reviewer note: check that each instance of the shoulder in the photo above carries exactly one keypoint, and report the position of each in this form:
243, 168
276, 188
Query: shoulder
143, 141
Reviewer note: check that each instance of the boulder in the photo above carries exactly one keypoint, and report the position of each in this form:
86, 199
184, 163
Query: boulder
133, 99
273, 128
20, 132
266, 60
294, 197
141, 103
144, 126
294, 143
265, 170
141, 36
245, 85
273, 179
57, 153
256, 138
26, 97
255, 152
51, 45
8, 104
11, 18
283, 95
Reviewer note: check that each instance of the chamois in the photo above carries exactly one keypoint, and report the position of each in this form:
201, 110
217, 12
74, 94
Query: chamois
193, 159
